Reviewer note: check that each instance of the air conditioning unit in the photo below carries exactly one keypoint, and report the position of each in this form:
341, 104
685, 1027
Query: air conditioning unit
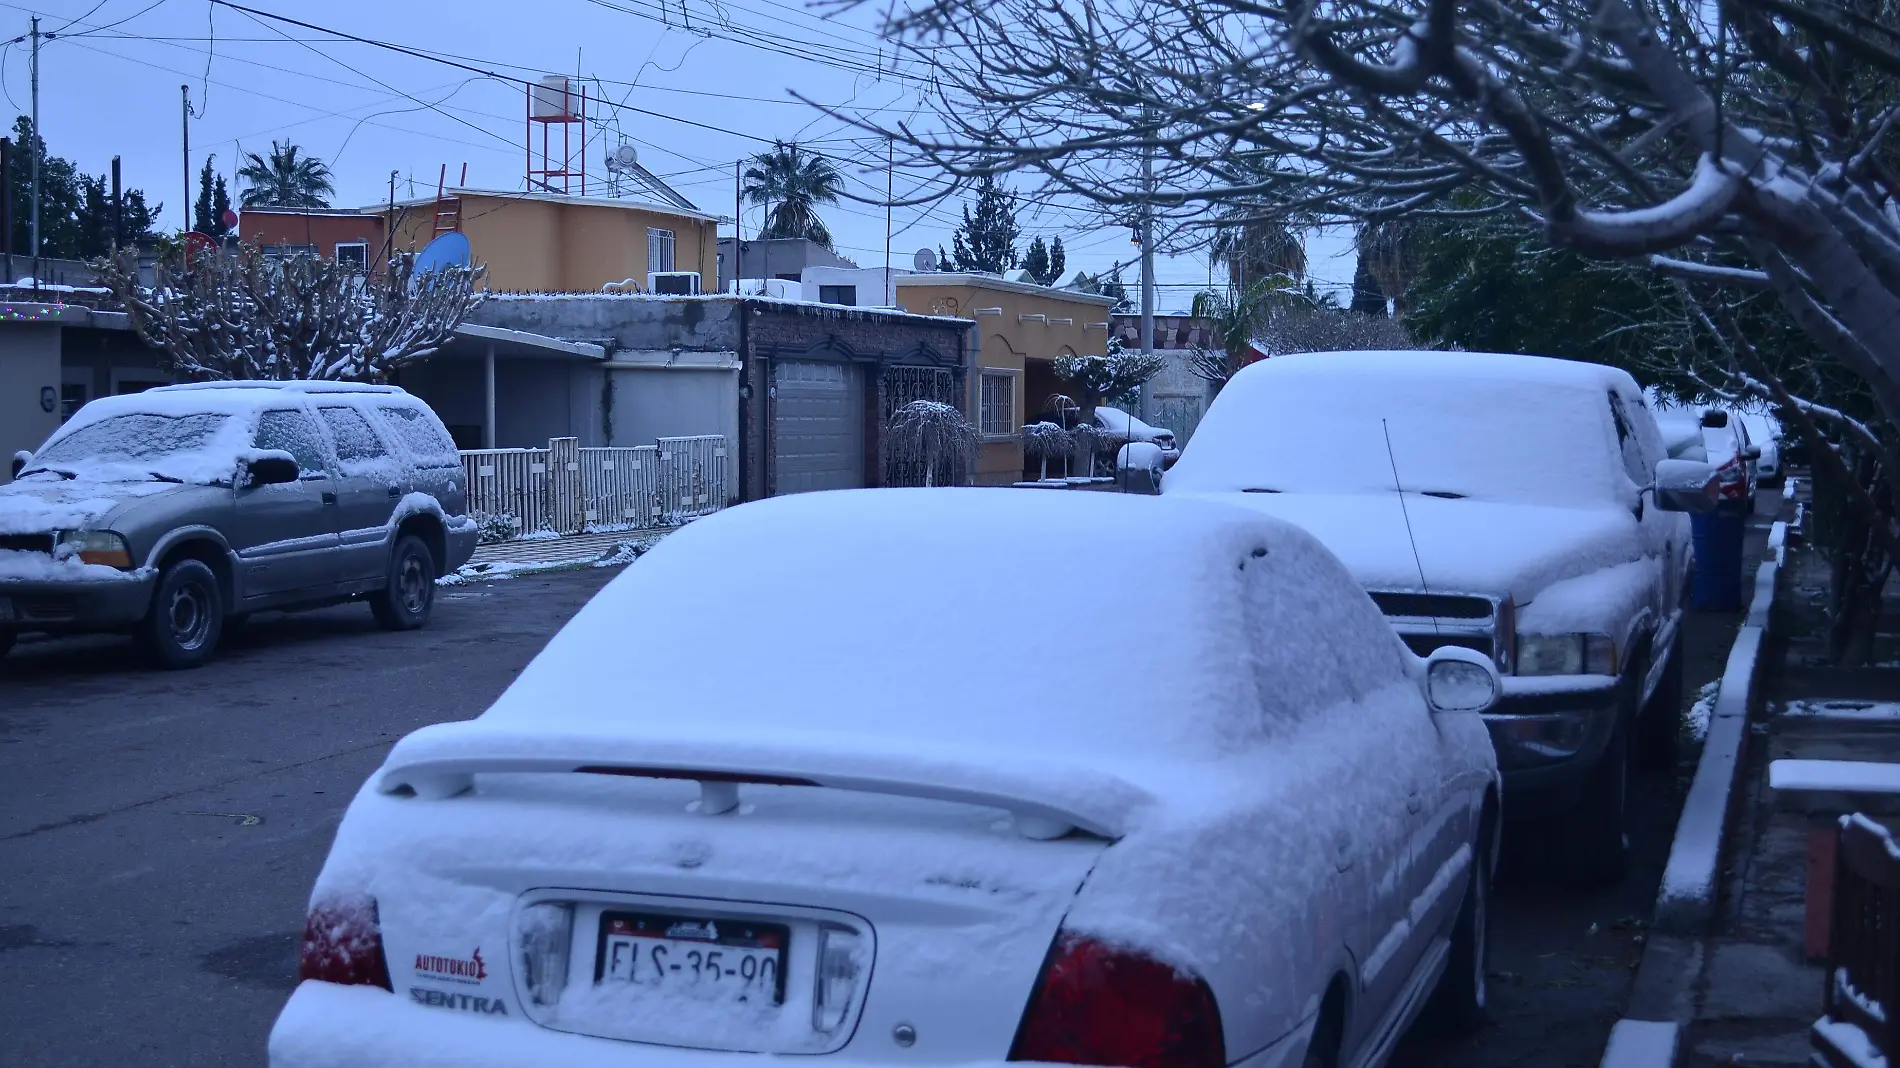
674, 283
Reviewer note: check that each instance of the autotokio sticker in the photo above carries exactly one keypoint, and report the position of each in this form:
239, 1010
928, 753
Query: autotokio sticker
471, 969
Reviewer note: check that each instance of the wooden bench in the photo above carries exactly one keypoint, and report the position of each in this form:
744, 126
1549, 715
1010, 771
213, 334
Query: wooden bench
1862, 994
1826, 790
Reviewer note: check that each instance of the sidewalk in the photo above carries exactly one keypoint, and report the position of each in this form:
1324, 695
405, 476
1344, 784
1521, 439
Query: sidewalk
536, 555
1757, 993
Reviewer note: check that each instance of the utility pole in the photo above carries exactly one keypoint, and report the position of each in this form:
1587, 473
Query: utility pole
738, 212
890, 185
184, 96
118, 208
33, 150
1147, 273
6, 201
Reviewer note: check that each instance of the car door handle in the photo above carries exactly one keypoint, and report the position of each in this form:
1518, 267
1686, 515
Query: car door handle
329, 497
1414, 802
394, 492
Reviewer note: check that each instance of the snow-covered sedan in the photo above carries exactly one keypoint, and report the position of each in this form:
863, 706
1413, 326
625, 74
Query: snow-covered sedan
799, 782
1130, 429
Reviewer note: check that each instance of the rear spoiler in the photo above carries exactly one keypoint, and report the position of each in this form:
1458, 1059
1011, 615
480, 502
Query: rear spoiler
1047, 801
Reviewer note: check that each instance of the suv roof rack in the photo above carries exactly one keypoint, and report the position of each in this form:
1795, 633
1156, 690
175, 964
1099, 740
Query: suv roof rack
292, 387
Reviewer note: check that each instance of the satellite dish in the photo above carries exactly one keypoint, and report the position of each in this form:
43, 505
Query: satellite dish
623, 158
448, 250
925, 260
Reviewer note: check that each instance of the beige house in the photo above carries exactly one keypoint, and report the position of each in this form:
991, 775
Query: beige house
545, 242
1019, 331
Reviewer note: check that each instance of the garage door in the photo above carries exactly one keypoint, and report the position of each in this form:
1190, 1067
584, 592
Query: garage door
819, 426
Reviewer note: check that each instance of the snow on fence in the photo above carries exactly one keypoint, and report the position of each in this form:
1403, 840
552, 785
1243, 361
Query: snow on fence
567, 489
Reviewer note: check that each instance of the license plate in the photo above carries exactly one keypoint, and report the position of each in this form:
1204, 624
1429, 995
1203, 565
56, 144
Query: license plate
741, 960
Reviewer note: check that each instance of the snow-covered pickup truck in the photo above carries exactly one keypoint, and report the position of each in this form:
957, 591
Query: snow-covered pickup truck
178, 511
1519, 506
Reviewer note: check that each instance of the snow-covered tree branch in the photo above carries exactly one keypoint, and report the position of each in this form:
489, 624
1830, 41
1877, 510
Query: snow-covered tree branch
246, 316
1687, 136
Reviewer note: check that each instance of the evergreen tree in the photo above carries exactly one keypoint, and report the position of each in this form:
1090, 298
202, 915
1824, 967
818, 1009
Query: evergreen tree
1036, 262
207, 215
986, 242
1058, 261
220, 205
75, 209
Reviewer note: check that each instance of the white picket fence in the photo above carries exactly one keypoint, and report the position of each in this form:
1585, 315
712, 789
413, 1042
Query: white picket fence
567, 489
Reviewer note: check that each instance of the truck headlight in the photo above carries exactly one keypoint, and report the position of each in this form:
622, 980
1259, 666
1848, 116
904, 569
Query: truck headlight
1565, 654
93, 547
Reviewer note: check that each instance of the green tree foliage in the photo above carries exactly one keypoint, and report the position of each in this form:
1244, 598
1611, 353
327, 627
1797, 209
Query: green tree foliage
75, 208
1108, 285
1045, 263
790, 183
288, 178
986, 242
207, 214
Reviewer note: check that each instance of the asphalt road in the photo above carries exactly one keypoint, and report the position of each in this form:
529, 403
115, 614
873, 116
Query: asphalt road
159, 833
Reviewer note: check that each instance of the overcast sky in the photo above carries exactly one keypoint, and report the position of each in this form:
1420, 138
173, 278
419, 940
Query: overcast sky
692, 85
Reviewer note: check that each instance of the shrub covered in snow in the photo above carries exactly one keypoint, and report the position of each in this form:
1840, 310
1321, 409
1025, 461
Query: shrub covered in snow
938, 433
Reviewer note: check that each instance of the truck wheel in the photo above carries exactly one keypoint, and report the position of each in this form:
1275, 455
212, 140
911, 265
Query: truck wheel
405, 601
187, 616
1594, 843
1660, 725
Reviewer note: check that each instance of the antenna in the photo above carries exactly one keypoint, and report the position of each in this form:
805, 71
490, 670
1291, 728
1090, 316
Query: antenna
1407, 513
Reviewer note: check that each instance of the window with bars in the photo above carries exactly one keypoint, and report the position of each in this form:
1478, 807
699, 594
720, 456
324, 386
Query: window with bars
997, 410
659, 250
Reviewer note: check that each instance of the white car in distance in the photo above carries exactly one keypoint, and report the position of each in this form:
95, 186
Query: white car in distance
790, 785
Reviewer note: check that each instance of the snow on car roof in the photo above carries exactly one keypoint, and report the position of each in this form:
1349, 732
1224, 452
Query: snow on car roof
902, 619
1486, 425
294, 386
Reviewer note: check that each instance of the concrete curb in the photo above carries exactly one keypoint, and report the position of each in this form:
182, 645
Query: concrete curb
1685, 903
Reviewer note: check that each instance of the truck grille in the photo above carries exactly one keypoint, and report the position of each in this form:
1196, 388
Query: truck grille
1443, 606
1426, 644
27, 543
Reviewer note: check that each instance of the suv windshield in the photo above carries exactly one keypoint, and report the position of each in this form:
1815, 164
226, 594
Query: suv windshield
138, 445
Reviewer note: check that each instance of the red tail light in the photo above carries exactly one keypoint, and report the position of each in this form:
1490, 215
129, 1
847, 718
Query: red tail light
343, 943
1102, 1005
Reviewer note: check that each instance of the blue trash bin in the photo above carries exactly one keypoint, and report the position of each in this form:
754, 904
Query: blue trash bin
1717, 581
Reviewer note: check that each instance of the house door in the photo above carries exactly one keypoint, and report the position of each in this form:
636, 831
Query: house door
818, 426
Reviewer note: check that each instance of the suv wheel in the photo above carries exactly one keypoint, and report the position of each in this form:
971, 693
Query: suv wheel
1660, 725
187, 616
405, 601
1593, 835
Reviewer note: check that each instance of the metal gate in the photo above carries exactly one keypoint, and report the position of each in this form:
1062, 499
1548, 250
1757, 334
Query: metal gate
898, 386
818, 426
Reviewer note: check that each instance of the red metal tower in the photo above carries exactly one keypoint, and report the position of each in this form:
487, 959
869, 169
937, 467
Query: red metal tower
556, 101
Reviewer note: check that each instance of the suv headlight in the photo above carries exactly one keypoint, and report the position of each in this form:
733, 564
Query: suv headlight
93, 547
1565, 654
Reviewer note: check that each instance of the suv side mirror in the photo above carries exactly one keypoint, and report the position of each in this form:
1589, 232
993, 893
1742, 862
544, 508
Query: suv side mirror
1714, 419
1686, 486
272, 468
1461, 681
20, 460
1752, 452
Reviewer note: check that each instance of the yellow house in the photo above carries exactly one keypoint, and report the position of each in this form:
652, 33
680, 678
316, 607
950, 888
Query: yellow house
550, 242
1019, 330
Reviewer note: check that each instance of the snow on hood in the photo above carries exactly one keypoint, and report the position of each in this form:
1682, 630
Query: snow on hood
194, 436
42, 504
1465, 546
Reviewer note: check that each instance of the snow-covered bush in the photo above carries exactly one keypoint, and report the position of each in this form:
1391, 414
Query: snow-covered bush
498, 526
248, 316
1044, 440
937, 432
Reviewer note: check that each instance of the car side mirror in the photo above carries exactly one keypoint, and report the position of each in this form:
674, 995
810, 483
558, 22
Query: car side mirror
1753, 452
1461, 681
272, 468
20, 460
1686, 486
1714, 419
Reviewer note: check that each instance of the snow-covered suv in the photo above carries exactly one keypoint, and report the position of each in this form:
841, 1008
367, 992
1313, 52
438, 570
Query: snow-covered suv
1519, 506
175, 512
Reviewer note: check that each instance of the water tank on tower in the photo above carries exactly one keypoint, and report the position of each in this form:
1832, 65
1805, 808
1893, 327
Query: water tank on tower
553, 99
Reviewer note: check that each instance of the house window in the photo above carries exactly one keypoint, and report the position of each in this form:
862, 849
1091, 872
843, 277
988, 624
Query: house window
659, 250
847, 295
72, 397
353, 254
278, 252
998, 405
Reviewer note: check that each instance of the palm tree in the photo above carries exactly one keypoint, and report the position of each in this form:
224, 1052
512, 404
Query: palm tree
1258, 247
288, 179
791, 183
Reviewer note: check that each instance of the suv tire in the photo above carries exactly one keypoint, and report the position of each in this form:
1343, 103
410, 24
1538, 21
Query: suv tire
1660, 725
407, 598
187, 616
1593, 835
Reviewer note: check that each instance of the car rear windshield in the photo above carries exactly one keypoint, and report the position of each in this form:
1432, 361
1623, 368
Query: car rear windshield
143, 440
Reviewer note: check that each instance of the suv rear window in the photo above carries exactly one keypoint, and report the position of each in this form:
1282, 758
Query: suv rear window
424, 437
